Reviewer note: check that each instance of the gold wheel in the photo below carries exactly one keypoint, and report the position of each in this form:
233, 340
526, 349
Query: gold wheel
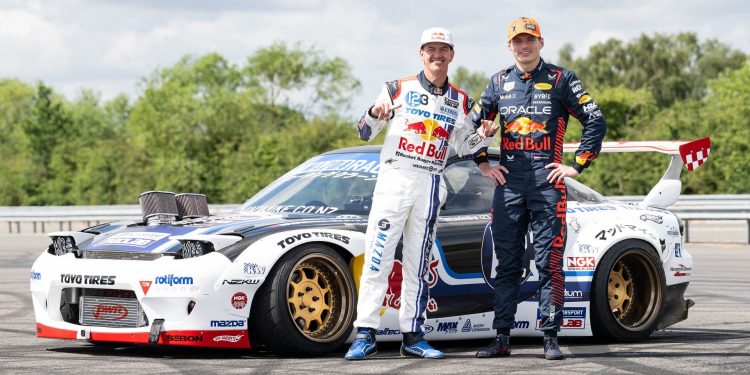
320, 298
620, 290
627, 292
310, 299
633, 290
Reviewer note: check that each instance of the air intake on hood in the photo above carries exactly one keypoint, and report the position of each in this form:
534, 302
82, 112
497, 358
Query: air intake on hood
191, 205
158, 207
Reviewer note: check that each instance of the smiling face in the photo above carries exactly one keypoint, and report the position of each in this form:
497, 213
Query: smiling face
436, 57
526, 49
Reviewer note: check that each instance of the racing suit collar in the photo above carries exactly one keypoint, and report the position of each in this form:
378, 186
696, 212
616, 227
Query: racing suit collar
429, 87
526, 75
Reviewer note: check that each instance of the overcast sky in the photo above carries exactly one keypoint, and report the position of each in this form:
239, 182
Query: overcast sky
109, 45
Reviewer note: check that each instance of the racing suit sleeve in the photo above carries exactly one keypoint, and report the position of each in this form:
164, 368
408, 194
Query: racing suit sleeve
584, 108
369, 126
486, 109
465, 138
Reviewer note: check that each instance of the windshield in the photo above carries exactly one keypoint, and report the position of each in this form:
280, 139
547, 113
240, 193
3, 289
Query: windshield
325, 184
579, 192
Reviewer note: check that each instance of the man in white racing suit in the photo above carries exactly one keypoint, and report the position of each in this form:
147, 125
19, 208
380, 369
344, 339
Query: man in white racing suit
425, 114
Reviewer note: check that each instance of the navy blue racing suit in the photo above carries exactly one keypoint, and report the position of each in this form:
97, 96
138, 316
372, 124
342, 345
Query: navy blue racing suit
534, 108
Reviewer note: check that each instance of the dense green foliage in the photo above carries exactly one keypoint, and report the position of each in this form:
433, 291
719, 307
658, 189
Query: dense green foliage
202, 125
206, 125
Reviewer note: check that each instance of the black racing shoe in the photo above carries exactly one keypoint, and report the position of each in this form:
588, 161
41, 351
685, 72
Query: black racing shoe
552, 349
499, 347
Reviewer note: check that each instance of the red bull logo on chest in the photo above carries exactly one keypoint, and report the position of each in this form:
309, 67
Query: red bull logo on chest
525, 125
430, 131
525, 142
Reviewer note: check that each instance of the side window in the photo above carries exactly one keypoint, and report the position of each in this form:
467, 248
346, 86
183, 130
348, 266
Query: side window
469, 193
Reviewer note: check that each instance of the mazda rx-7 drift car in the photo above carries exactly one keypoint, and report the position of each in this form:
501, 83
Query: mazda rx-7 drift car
281, 272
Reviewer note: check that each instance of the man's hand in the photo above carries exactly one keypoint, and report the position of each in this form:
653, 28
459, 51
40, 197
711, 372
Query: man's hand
488, 129
559, 172
493, 173
383, 110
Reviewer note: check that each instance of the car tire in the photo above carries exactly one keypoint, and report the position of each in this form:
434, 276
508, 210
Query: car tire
628, 292
306, 306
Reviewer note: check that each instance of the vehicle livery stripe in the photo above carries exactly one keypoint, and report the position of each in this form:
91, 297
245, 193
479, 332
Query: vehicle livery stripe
174, 245
579, 273
451, 272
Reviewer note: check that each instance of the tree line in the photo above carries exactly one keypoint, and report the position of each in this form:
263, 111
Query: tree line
206, 125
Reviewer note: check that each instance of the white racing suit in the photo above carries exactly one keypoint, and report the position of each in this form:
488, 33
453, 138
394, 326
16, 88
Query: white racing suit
410, 191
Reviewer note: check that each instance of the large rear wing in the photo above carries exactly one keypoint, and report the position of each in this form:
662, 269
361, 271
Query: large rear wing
691, 154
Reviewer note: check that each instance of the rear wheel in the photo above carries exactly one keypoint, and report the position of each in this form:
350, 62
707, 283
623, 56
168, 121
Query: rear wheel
306, 306
628, 292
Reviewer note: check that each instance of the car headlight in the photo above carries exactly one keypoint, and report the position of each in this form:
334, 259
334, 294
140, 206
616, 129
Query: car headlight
62, 245
192, 249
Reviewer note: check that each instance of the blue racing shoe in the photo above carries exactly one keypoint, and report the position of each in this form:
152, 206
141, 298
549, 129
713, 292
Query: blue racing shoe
415, 345
364, 344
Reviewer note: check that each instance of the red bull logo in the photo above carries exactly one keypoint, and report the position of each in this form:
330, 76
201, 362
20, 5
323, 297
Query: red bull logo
527, 144
440, 133
525, 125
417, 127
393, 293
427, 149
430, 130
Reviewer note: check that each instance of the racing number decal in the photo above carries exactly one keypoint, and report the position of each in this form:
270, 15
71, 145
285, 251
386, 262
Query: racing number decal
414, 99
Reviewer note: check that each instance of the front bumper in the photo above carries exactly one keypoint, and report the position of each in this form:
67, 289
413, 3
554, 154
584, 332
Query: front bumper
194, 310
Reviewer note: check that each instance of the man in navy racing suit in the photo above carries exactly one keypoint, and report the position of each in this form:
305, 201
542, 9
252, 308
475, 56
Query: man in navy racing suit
423, 115
534, 100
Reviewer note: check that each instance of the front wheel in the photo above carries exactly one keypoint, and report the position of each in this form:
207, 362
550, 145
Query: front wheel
306, 306
628, 292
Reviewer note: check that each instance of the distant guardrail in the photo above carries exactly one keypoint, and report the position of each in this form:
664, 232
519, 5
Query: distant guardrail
49, 218
41, 219
705, 207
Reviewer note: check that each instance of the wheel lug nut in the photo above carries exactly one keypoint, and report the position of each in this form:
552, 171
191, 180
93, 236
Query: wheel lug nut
315, 299
300, 294
302, 307
308, 289
311, 309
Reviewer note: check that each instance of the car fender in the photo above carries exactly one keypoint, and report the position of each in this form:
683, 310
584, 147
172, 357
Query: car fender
598, 239
251, 268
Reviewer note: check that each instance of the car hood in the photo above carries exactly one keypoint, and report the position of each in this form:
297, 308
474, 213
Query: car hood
134, 237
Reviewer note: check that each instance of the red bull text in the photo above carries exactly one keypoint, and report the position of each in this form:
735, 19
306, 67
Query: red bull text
527, 144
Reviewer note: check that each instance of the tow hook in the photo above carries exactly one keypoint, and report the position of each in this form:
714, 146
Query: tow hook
153, 336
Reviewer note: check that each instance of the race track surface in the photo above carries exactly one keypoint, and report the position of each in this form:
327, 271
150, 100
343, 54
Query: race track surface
714, 339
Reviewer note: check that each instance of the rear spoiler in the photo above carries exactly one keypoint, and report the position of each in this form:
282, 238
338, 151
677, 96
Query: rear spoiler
691, 154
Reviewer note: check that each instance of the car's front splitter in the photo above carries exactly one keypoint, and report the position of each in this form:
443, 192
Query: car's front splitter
232, 339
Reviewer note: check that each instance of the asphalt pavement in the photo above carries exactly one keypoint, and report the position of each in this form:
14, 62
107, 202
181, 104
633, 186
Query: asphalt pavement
714, 339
